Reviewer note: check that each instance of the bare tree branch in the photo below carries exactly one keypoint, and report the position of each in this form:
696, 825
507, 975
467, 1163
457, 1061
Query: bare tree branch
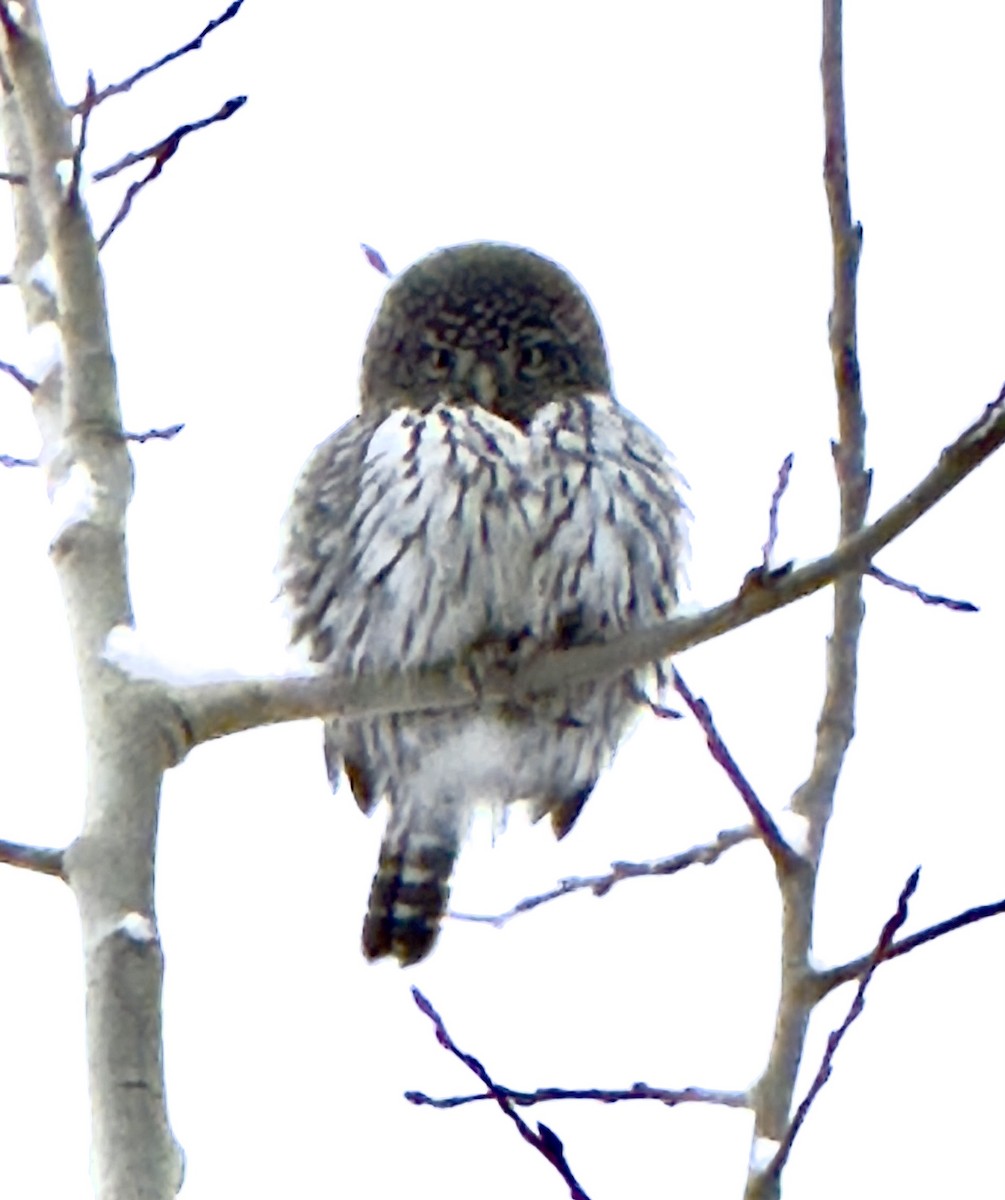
161, 152
86, 107
544, 1141
768, 549
110, 866
881, 951
375, 259
215, 709
163, 435
8, 460
924, 597
826, 981
814, 800
116, 89
703, 855
29, 385
771, 835
14, 178
638, 1091
42, 859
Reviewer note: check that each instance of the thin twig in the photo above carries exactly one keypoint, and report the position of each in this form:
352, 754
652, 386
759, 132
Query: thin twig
833, 977
161, 152
42, 859
638, 1091
85, 109
116, 89
924, 597
28, 384
544, 1141
164, 435
702, 855
834, 1040
780, 850
14, 178
768, 549
8, 460
375, 259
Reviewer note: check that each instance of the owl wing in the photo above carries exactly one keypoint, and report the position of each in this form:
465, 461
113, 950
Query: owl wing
317, 564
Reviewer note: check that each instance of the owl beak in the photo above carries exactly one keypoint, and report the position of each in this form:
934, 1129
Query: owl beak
485, 384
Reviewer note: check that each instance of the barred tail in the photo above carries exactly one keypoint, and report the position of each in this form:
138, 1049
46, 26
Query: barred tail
409, 894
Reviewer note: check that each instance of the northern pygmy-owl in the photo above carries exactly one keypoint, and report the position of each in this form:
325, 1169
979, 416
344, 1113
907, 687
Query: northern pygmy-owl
491, 490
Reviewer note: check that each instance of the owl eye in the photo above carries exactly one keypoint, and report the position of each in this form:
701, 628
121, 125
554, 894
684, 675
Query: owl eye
436, 360
534, 357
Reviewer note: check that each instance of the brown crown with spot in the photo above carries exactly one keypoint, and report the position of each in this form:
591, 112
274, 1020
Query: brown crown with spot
486, 324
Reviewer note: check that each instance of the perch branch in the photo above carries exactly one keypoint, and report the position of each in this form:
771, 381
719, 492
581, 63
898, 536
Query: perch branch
215, 709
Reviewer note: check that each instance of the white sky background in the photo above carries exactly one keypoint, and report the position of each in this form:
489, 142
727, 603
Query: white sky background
671, 160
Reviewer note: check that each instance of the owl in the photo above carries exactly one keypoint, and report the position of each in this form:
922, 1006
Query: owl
491, 496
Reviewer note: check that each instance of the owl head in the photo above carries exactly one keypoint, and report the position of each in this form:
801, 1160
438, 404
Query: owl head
483, 324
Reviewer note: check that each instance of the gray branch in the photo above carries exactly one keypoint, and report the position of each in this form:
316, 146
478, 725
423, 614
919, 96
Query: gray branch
110, 866
205, 711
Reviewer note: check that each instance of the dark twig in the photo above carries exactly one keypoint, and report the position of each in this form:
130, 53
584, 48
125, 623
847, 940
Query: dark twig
881, 951
544, 1141
8, 460
9, 369
6, 280
164, 435
827, 981
84, 112
768, 549
924, 597
703, 855
638, 1091
375, 259
10, 26
116, 89
781, 851
32, 858
14, 178
161, 152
